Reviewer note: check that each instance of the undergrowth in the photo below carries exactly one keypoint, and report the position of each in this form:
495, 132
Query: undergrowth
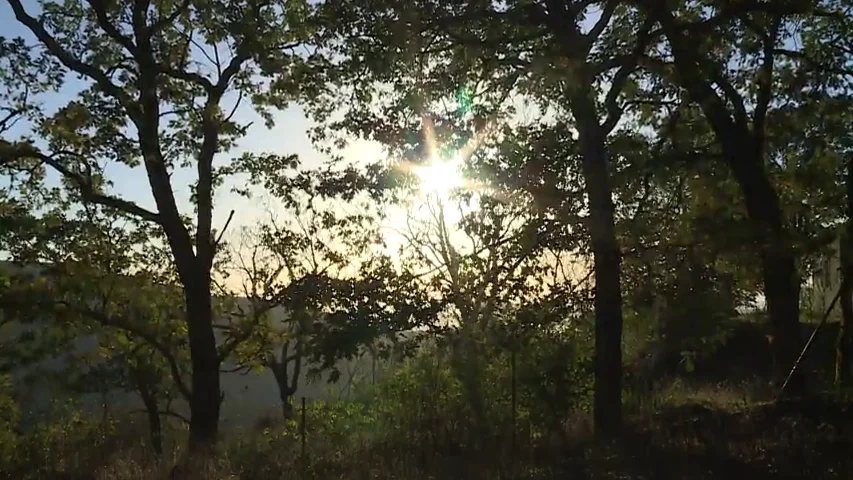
417, 425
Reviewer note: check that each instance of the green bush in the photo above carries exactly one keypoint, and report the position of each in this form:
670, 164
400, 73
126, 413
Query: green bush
10, 415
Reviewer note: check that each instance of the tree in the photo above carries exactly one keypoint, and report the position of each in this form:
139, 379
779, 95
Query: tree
87, 293
318, 283
738, 101
161, 84
486, 260
826, 57
563, 56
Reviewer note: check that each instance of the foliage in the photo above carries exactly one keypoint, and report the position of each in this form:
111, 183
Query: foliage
659, 163
158, 90
8, 421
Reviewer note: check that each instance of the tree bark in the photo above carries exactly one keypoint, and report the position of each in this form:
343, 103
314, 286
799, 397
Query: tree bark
778, 260
607, 400
206, 396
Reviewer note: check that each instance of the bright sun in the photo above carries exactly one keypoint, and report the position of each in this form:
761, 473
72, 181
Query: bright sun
440, 177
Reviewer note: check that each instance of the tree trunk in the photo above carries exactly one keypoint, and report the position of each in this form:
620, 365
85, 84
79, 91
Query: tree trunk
465, 361
152, 410
286, 404
743, 146
287, 383
607, 400
778, 260
206, 397
285, 388
155, 430
844, 342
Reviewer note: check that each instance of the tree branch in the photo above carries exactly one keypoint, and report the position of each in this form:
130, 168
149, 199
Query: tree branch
84, 186
603, 21
10, 118
620, 79
75, 64
111, 30
765, 80
737, 9
224, 228
113, 321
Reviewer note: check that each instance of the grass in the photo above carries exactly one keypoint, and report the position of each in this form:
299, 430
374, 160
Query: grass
684, 426
683, 432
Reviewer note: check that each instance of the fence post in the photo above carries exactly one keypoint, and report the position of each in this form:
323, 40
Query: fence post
302, 435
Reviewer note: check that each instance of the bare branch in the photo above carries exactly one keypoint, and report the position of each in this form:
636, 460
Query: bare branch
227, 222
10, 118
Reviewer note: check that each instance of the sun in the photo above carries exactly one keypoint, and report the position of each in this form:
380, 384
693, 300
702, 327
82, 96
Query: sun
440, 177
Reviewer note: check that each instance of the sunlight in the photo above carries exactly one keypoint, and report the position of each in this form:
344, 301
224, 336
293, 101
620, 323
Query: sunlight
440, 177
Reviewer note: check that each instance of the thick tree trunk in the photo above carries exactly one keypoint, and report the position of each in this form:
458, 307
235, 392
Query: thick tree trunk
782, 294
778, 260
607, 401
743, 147
155, 429
205, 397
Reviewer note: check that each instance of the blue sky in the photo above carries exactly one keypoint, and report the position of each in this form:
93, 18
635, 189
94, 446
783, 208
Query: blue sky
289, 136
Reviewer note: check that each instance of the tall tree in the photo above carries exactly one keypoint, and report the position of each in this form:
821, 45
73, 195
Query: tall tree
161, 83
564, 56
734, 78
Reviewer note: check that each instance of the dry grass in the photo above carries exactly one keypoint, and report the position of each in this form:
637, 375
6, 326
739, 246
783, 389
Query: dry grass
682, 432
